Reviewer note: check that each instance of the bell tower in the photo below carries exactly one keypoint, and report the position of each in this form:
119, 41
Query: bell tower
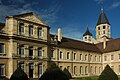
87, 36
102, 27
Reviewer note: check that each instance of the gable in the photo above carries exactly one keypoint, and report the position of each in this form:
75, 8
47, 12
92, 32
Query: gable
31, 17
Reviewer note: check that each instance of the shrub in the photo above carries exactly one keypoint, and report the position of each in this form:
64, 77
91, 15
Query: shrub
67, 73
108, 74
54, 73
19, 74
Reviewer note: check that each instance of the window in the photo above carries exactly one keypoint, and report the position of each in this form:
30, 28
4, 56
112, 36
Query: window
31, 68
21, 28
39, 32
95, 69
112, 57
68, 68
75, 70
98, 32
80, 56
119, 56
61, 55
39, 51
99, 58
103, 27
21, 50
2, 70
86, 70
105, 58
68, 55
61, 67
112, 67
91, 69
21, 65
85, 37
1, 48
74, 56
80, 70
99, 69
98, 28
103, 32
30, 51
91, 58
95, 58
85, 57
119, 68
39, 70
31, 31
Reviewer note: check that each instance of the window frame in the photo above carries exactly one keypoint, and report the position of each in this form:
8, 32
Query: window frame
2, 68
2, 46
21, 29
39, 32
68, 55
31, 30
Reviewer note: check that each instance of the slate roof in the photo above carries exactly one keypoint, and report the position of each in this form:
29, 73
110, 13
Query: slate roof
87, 32
76, 44
102, 18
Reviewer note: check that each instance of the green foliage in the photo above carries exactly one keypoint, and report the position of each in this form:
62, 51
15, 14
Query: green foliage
19, 74
87, 78
67, 73
108, 74
54, 73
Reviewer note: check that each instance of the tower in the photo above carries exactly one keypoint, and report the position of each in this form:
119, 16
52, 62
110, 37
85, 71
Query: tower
102, 27
87, 36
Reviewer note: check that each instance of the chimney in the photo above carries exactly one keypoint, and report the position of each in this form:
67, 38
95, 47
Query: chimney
59, 35
104, 43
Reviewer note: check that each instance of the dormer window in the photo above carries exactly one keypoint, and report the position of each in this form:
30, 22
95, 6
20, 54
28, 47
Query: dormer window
21, 28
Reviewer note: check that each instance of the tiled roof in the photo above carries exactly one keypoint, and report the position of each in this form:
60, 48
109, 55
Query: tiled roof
112, 45
80, 45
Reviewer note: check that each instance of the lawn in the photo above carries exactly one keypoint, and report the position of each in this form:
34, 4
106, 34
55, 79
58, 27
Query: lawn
88, 78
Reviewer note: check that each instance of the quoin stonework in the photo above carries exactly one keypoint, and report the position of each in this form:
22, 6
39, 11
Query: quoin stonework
25, 42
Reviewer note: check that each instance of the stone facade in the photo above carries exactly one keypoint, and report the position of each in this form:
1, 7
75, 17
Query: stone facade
25, 42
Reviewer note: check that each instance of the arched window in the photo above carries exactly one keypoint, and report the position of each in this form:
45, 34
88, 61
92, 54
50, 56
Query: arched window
80, 70
86, 70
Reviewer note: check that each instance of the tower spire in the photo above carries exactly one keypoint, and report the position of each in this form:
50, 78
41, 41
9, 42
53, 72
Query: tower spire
102, 18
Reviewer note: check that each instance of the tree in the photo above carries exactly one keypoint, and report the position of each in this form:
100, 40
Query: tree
67, 73
108, 74
54, 73
19, 74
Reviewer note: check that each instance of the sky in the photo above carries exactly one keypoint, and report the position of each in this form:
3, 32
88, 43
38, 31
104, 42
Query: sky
72, 16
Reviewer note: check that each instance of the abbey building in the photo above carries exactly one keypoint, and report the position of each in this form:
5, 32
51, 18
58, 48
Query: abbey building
25, 41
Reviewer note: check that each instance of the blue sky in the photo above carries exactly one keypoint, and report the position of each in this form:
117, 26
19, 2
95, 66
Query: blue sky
72, 16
